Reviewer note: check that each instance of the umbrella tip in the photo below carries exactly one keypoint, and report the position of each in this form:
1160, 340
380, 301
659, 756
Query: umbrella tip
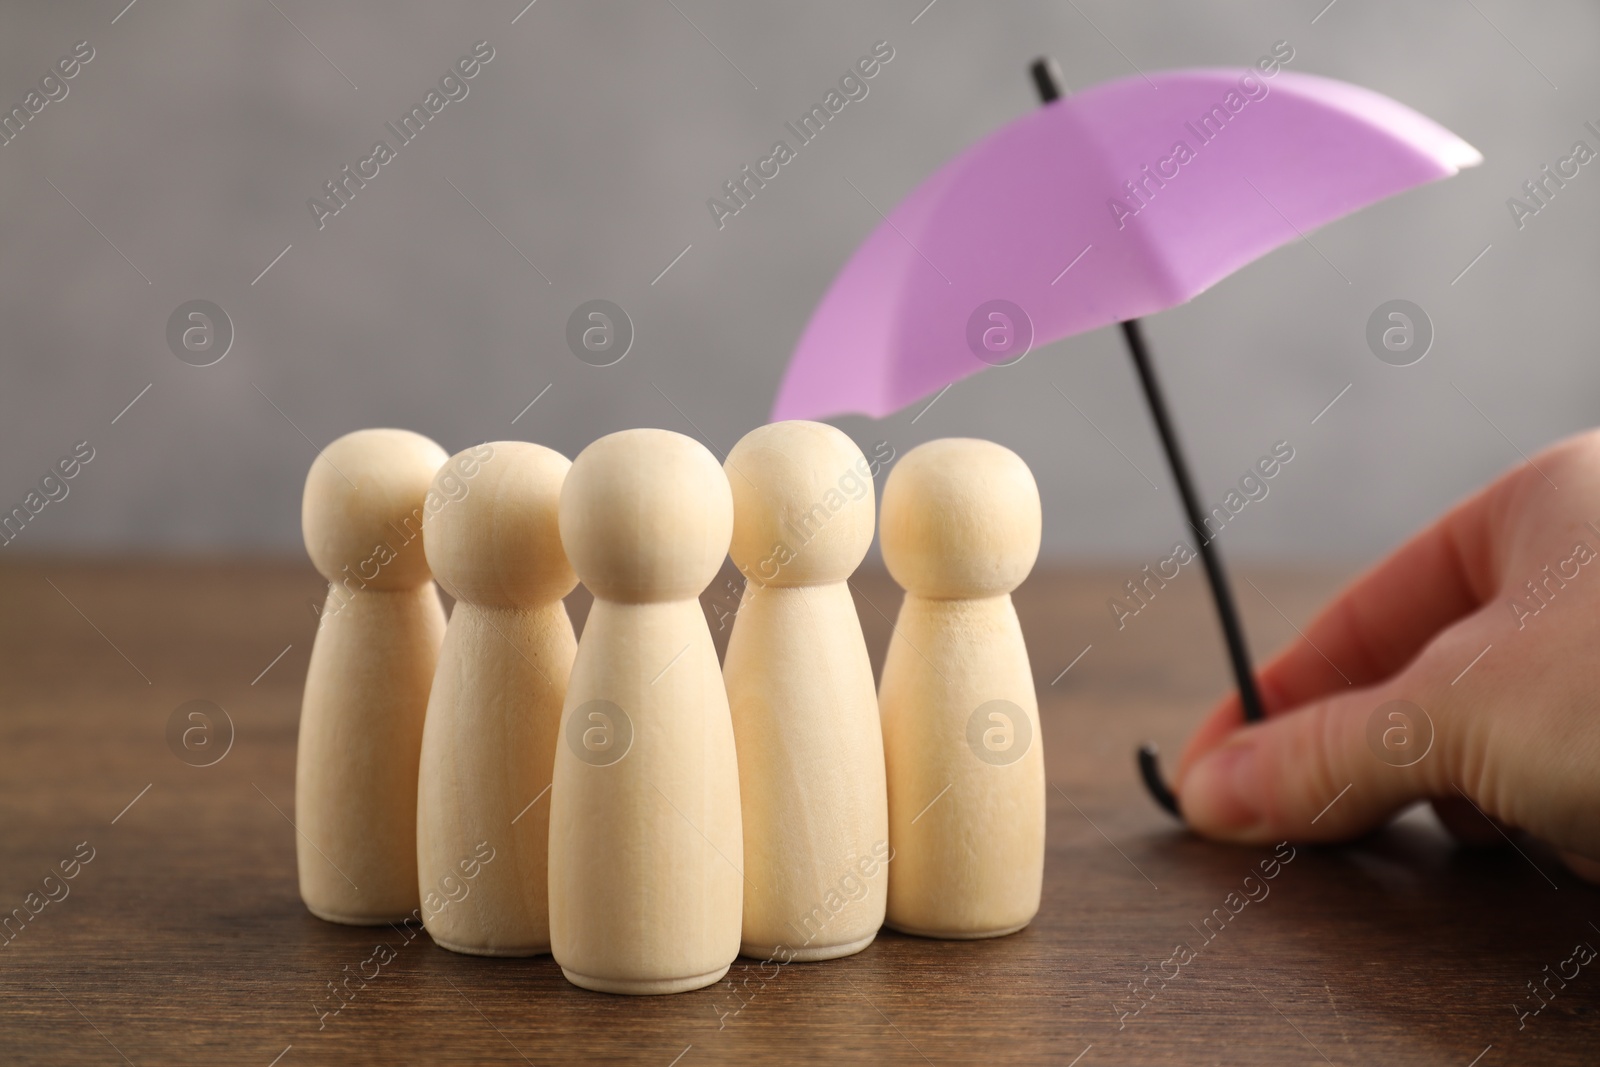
1047, 78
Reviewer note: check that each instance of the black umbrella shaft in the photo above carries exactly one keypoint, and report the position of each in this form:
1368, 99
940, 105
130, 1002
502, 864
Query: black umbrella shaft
1232, 632
1047, 80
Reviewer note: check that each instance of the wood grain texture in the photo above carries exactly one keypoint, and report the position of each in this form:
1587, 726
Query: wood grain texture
184, 941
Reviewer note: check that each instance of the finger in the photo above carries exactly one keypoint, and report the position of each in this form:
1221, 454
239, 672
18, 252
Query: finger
1378, 623
1307, 775
1385, 617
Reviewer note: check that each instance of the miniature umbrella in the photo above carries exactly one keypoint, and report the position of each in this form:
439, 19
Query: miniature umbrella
1119, 201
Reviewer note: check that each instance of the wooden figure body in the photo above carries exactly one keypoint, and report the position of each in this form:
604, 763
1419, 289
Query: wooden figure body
646, 857
960, 529
489, 743
367, 685
805, 711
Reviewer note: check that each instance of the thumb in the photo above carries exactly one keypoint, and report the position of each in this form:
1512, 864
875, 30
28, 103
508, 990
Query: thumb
1327, 771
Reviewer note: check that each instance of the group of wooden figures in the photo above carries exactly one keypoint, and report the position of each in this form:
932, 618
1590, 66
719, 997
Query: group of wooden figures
622, 801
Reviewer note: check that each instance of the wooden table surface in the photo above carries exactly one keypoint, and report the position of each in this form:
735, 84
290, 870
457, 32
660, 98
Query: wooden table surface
183, 940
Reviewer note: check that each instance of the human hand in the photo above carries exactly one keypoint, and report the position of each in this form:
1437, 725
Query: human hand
1516, 737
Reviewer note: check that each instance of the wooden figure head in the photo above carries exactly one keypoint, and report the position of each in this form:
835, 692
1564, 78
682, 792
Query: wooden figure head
646, 516
803, 504
961, 519
491, 526
361, 513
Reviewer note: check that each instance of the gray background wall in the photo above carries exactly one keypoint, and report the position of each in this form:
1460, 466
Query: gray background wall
592, 140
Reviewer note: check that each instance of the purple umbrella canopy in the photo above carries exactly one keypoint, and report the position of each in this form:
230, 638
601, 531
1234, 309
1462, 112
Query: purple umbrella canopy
1115, 202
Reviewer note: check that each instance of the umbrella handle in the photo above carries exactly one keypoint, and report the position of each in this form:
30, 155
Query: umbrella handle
1047, 80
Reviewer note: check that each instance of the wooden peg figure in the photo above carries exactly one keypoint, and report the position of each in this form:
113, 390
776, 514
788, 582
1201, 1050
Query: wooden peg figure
805, 712
372, 662
489, 743
646, 857
960, 529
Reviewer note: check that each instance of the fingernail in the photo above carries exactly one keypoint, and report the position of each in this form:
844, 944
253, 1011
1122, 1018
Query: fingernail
1222, 793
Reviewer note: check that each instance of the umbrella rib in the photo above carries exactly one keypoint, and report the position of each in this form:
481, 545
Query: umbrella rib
897, 229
